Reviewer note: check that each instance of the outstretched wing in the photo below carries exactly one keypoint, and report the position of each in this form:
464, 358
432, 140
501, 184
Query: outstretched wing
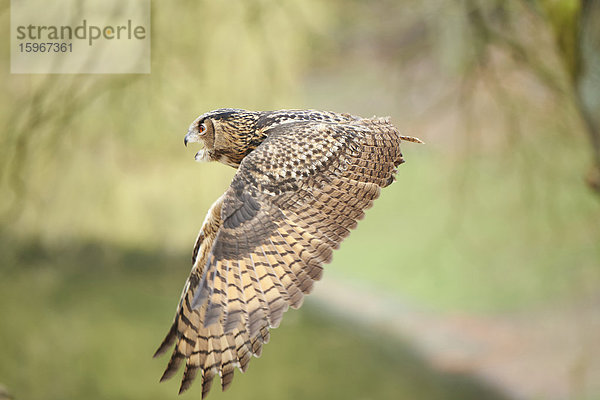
291, 203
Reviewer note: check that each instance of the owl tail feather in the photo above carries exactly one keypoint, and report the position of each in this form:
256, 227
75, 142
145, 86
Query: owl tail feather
411, 139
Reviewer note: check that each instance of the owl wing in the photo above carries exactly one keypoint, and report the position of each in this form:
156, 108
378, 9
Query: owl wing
290, 204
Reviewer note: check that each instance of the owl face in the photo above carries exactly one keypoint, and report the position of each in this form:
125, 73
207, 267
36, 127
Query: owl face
202, 131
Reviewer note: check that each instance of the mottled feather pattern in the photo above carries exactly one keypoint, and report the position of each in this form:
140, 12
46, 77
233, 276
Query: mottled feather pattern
304, 179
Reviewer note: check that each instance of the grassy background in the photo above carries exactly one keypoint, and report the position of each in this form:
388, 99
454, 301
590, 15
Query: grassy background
91, 332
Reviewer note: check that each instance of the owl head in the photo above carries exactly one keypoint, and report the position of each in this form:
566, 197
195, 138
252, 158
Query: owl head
224, 135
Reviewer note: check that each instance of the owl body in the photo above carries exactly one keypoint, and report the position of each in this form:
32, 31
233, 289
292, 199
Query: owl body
304, 179
243, 131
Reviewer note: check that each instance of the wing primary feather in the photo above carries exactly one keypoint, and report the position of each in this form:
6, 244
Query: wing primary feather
277, 302
218, 298
213, 359
310, 250
174, 362
204, 290
286, 276
210, 362
229, 357
168, 340
191, 368
274, 277
295, 264
256, 284
238, 312
254, 309
243, 348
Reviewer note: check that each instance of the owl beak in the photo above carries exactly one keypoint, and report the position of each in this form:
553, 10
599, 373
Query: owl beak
190, 137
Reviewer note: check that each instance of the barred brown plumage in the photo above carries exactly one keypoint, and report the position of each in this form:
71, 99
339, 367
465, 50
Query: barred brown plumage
304, 179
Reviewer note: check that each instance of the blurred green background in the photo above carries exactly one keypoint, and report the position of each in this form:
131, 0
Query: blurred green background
496, 220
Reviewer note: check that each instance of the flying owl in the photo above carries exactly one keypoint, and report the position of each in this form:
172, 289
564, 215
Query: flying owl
303, 180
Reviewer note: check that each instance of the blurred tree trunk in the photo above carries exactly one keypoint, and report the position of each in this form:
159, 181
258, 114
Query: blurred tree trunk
576, 28
587, 81
575, 31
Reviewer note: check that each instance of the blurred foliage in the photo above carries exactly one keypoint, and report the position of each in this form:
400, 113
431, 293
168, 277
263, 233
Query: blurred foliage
80, 131
568, 66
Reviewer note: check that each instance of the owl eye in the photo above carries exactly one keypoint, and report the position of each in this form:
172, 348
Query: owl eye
201, 128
